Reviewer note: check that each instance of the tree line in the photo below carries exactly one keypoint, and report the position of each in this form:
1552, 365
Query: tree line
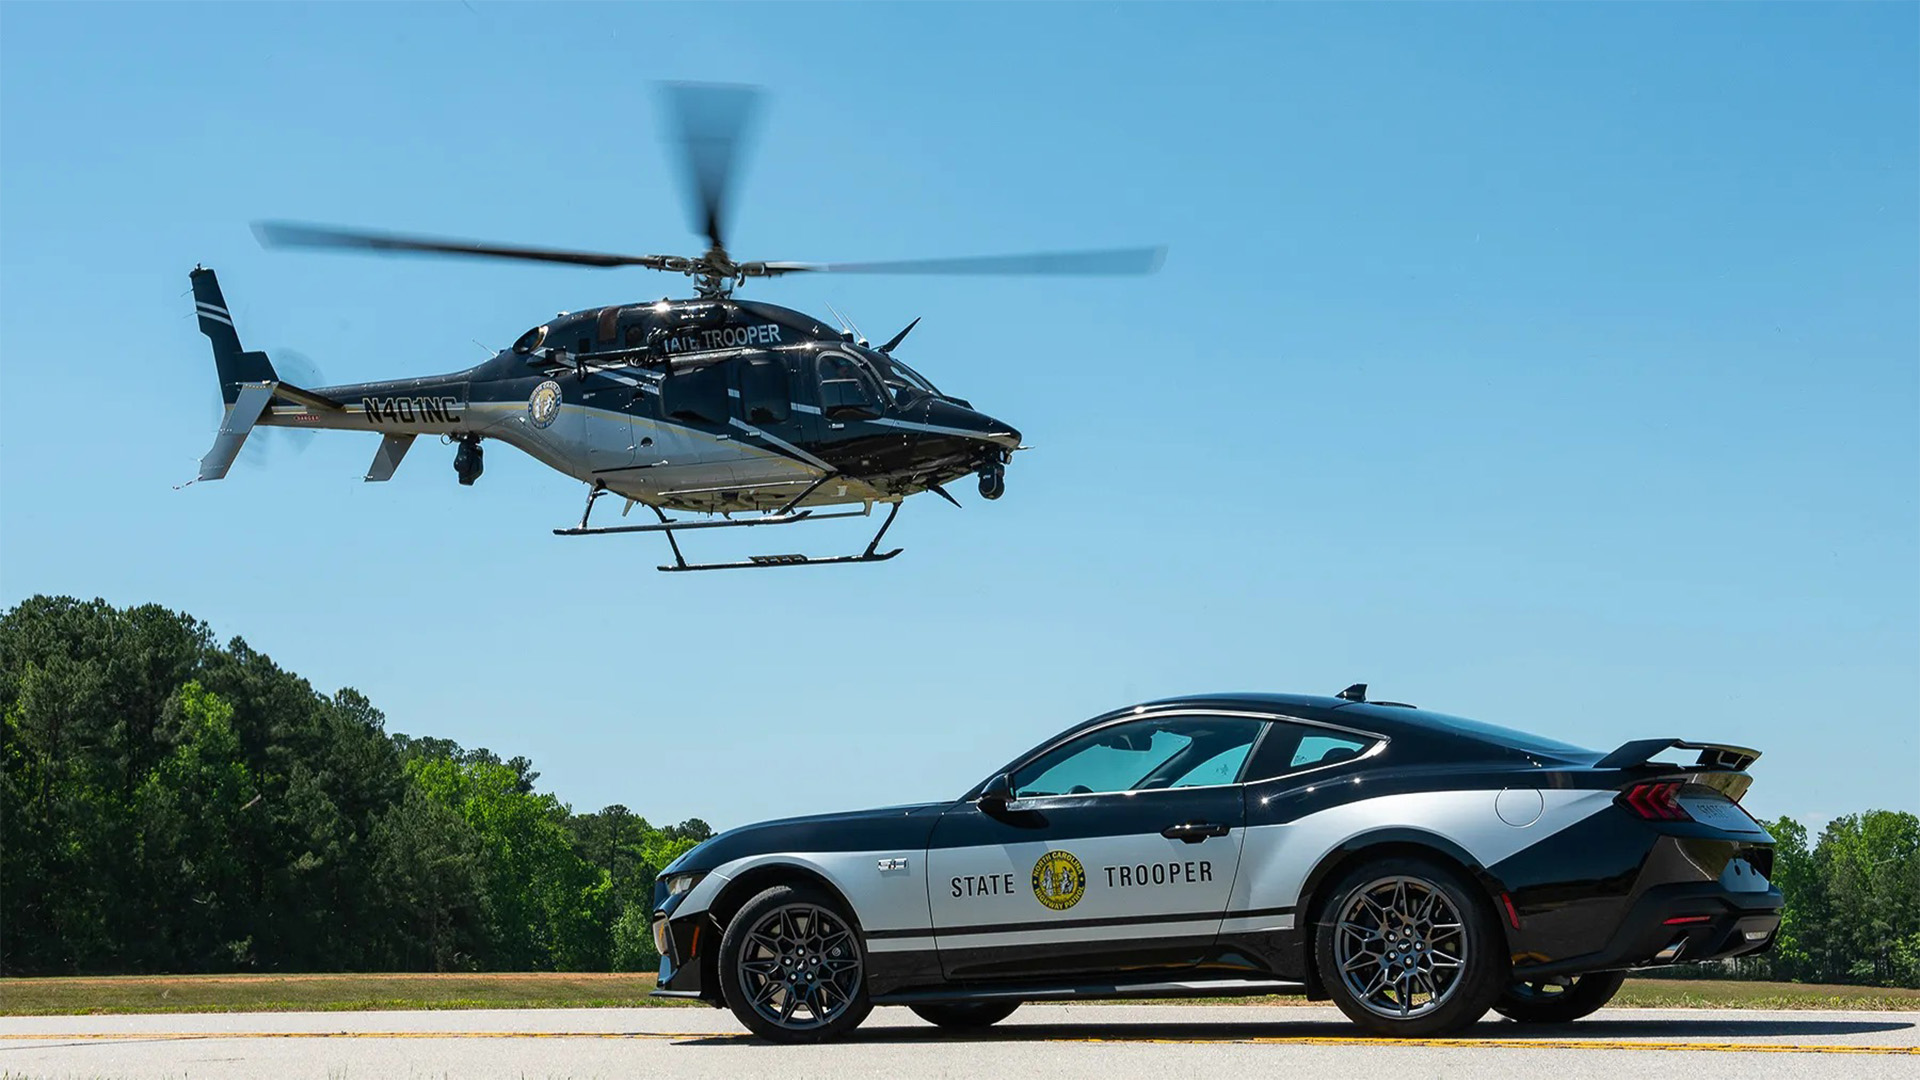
168, 804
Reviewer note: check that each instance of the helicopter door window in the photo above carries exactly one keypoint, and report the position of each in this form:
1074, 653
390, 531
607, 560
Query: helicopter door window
763, 391
696, 394
846, 389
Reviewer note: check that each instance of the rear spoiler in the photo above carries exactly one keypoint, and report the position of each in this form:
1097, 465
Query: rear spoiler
1718, 756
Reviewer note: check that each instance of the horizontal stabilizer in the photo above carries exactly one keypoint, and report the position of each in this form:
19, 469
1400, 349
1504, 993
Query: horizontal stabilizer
387, 458
241, 416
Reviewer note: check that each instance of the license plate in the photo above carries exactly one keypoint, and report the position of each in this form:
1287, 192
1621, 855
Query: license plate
1718, 813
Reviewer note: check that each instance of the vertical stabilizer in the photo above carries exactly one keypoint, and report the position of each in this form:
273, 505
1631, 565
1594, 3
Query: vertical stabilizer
234, 365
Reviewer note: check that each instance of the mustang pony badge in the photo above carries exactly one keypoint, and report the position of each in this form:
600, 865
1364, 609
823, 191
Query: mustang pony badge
1059, 881
544, 405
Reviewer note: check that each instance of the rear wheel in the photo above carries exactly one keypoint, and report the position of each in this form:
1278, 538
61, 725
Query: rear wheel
1545, 1002
1406, 947
963, 1015
792, 968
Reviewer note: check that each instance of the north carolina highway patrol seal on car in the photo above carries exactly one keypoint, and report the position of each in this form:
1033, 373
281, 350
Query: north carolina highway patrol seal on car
544, 405
1059, 881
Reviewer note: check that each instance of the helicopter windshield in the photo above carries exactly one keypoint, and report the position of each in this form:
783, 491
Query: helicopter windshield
901, 373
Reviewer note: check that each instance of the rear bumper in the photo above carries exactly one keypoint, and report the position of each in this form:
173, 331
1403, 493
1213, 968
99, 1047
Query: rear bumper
1677, 924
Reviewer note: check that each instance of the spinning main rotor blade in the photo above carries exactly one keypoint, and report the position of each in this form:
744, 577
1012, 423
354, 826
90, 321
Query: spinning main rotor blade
293, 234
1109, 261
711, 121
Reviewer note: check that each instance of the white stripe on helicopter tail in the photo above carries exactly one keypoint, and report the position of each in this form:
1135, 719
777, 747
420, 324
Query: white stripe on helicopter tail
217, 314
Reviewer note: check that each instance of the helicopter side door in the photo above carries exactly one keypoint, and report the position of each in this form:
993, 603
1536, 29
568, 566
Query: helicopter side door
771, 421
609, 426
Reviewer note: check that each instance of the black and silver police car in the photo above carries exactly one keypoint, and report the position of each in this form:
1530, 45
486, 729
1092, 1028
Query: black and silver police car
1415, 868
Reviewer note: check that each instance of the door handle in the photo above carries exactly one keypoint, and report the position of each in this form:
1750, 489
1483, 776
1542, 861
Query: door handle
1193, 832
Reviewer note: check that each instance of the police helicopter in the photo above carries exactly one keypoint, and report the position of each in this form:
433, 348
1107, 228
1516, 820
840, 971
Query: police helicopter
747, 413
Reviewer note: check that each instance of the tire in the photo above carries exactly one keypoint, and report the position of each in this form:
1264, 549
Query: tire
1395, 922
792, 966
1543, 1003
965, 1015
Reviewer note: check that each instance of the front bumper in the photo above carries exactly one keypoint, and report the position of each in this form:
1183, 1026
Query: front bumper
687, 949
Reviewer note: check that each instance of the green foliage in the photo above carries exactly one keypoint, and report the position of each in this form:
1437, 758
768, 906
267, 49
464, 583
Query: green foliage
171, 805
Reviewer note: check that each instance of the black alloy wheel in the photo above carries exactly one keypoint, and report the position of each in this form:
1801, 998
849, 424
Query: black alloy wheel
1547, 1002
792, 967
965, 1015
1407, 947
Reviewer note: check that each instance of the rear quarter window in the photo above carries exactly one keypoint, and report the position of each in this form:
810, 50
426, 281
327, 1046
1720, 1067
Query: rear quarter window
1293, 747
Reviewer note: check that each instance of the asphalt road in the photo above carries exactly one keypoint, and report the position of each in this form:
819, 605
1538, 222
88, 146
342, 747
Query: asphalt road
1082, 1042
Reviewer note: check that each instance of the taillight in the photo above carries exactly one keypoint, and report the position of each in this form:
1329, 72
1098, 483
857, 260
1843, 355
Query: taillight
1655, 802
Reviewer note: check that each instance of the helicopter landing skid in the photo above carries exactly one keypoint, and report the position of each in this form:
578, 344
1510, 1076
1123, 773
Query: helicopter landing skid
754, 562
784, 516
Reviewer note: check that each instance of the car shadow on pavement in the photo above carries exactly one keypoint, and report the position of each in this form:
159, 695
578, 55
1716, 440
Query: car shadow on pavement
1187, 1031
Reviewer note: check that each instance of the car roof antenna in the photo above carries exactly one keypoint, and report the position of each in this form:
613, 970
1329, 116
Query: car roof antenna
1356, 692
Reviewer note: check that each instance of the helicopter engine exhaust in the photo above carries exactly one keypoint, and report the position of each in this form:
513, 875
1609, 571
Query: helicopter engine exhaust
469, 461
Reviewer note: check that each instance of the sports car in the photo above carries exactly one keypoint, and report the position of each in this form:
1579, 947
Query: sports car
1417, 869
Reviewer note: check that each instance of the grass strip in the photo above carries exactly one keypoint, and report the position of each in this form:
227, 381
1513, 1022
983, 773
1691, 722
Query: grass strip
76, 996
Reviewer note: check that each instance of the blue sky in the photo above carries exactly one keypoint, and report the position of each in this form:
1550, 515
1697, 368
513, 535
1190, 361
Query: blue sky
1553, 365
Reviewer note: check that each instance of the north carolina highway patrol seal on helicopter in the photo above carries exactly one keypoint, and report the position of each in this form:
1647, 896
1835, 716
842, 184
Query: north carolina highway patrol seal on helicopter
544, 405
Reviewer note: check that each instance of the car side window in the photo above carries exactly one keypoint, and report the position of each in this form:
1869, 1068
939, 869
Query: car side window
1326, 750
1152, 752
1295, 747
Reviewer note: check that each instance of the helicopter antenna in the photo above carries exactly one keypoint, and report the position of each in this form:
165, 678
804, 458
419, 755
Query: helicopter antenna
847, 326
841, 319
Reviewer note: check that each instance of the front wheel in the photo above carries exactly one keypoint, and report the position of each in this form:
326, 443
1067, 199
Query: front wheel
791, 966
1553, 1003
965, 1015
1406, 947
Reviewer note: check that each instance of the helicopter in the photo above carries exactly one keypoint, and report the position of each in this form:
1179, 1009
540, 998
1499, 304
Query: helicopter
708, 405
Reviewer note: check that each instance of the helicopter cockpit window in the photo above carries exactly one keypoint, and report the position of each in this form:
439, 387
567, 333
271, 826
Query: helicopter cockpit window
530, 340
847, 387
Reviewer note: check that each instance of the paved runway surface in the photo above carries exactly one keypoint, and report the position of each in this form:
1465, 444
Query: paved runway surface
1084, 1042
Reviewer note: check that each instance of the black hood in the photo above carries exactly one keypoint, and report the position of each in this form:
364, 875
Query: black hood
855, 830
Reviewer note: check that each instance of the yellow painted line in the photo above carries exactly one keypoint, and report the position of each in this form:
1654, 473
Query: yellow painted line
1011, 1035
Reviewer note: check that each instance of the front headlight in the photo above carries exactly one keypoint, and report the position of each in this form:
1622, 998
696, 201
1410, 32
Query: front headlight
678, 884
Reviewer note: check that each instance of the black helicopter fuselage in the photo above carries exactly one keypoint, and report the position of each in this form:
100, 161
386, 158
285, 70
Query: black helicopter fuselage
703, 405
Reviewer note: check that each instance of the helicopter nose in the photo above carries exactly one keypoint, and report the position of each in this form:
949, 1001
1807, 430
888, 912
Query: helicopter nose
1001, 434
958, 420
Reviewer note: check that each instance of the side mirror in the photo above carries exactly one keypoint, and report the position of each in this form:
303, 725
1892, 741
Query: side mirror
997, 794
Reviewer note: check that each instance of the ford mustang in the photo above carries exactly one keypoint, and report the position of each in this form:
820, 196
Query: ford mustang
1417, 869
